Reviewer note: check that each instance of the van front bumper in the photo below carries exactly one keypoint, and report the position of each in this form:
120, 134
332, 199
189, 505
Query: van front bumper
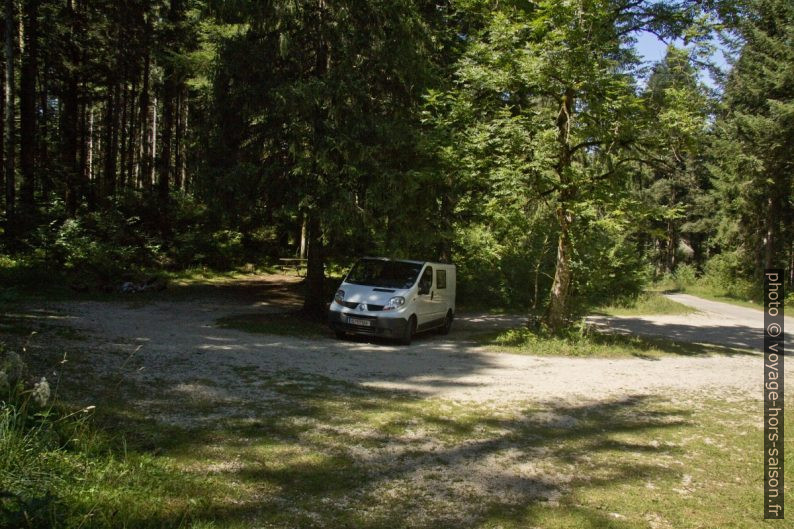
391, 327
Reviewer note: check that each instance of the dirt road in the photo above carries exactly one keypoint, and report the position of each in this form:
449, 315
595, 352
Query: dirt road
178, 343
714, 322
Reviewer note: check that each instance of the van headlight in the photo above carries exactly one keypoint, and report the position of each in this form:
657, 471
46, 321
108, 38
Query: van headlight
339, 296
394, 303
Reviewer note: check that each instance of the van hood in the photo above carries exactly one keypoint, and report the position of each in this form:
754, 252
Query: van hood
369, 294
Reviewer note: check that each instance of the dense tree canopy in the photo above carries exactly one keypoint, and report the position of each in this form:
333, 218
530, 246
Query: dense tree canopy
522, 140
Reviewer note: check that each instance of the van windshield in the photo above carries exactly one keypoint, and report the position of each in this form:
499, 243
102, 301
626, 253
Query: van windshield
387, 274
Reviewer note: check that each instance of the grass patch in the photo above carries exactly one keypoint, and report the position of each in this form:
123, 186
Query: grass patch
646, 303
592, 344
293, 323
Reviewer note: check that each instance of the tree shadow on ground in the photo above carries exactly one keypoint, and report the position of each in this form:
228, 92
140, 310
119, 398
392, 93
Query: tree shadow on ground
725, 339
321, 453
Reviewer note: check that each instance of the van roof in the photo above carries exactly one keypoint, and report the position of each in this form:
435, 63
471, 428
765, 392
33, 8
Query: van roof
414, 261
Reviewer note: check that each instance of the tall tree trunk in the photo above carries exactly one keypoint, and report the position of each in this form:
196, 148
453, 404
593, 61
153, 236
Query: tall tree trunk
166, 137
181, 167
170, 88
313, 303
132, 123
89, 162
10, 129
302, 248
44, 138
178, 139
109, 186
84, 174
122, 128
2, 115
152, 139
27, 105
561, 286
70, 115
144, 157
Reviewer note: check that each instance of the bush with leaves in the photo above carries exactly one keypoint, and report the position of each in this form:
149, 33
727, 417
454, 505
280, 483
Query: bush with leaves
724, 276
685, 275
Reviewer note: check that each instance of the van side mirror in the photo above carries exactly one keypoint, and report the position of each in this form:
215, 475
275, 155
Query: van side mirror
424, 288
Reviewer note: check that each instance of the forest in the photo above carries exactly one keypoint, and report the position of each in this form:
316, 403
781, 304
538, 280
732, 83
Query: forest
525, 141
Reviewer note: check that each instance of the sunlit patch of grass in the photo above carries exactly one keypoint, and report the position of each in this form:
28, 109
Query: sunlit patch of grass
647, 303
291, 323
589, 343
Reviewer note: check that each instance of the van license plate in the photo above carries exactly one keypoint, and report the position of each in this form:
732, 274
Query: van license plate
356, 321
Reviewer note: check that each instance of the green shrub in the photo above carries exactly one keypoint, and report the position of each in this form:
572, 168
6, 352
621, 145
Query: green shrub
685, 275
724, 276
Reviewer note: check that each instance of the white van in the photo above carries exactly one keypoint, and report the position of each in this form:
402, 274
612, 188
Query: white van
394, 298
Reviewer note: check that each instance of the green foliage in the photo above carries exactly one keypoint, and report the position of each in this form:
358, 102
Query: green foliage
723, 274
684, 276
674, 187
104, 246
750, 154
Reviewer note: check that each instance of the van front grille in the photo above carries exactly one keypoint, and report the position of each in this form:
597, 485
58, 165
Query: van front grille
355, 304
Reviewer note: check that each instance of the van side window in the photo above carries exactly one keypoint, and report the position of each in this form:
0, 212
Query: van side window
426, 283
441, 279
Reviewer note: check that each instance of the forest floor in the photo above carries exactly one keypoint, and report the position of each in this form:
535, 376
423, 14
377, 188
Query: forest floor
285, 431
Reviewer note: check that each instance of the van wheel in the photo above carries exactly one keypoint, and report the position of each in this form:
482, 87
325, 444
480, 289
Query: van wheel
444, 329
409, 332
341, 335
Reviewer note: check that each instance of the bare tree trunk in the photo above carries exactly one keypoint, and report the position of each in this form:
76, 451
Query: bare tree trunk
170, 93
27, 104
130, 149
152, 146
2, 116
144, 158
302, 249
89, 162
69, 117
122, 127
182, 166
178, 139
313, 303
43, 155
109, 185
10, 129
84, 182
560, 289
166, 136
